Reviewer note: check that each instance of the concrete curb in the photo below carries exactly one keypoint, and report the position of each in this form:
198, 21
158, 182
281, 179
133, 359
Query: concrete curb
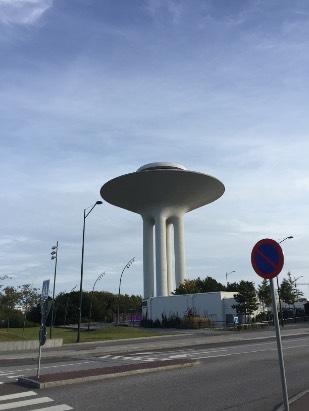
293, 400
31, 383
28, 345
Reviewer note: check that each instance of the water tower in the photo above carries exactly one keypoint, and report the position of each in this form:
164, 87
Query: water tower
162, 193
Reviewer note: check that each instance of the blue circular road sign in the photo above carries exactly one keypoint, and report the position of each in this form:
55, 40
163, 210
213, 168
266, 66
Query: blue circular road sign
267, 258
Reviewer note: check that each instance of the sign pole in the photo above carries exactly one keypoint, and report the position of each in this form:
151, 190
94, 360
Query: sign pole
39, 363
267, 260
279, 346
44, 314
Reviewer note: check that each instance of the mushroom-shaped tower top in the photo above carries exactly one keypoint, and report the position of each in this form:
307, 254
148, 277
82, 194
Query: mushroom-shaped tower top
162, 185
162, 165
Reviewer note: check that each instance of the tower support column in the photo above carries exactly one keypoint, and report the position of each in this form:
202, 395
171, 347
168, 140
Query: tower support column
169, 257
148, 257
161, 261
179, 245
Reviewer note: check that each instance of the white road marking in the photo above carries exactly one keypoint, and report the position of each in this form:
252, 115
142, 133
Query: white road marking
17, 395
144, 353
180, 356
61, 407
25, 403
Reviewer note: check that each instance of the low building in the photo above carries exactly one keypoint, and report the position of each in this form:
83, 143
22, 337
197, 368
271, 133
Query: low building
216, 306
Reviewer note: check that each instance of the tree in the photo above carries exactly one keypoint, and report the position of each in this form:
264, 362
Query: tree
232, 286
264, 294
197, 285
10, 298
289, 293
246, 298
28, 298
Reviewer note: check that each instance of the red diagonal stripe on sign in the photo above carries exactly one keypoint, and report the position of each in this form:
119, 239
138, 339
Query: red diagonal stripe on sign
266, 258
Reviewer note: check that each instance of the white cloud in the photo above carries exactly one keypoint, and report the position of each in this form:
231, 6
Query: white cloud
23, 12
173, 8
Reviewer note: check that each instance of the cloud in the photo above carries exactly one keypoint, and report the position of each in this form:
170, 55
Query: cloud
174, 9
23, 12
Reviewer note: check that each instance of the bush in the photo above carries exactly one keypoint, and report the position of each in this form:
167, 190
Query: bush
15, 319
174, 321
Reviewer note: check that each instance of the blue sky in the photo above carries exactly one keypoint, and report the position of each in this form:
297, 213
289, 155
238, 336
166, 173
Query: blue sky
90, 89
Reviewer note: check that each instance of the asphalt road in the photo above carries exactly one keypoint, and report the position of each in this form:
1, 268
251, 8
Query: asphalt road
231, 377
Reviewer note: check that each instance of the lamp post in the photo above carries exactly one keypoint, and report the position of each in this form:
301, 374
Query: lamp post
128, 265
86, 213
91, 296
295, 282
54, 256
6, 277
67, 304
227, 274
278, 288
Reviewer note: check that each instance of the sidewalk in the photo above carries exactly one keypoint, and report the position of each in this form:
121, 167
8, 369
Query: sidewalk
299, 402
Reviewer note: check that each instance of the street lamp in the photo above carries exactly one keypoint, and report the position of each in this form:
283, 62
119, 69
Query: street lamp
6, 277
91, 296
82, 269
227, 274
295, 282
278, 288
54, 256
286, 238
67, 304
128, 265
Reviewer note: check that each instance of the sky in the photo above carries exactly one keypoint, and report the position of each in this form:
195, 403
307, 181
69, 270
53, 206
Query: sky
92, 89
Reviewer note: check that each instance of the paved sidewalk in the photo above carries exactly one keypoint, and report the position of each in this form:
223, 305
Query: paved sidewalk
299, 402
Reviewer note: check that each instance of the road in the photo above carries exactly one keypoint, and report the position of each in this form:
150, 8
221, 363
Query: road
238, 376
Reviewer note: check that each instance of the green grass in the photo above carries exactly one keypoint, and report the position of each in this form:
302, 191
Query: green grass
69, 336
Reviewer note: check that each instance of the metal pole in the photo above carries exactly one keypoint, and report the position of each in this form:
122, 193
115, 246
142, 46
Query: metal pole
280, 304
81, 281
118, 313
67, 305
100, 276
54, 287
126, 266
279, 346
39, 363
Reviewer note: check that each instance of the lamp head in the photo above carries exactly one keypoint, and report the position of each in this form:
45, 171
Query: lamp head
99, 202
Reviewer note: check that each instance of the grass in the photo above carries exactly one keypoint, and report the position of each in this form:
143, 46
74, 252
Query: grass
69, 335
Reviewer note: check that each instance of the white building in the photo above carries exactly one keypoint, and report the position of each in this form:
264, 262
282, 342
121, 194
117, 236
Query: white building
216, 306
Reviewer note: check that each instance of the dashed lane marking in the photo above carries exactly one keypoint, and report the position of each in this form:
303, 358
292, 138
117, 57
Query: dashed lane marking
62, 407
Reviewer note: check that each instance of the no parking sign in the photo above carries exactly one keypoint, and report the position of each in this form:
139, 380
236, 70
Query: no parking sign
267, 258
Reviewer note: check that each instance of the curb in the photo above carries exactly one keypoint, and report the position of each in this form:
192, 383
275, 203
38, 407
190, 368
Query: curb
292, 400
32, 383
